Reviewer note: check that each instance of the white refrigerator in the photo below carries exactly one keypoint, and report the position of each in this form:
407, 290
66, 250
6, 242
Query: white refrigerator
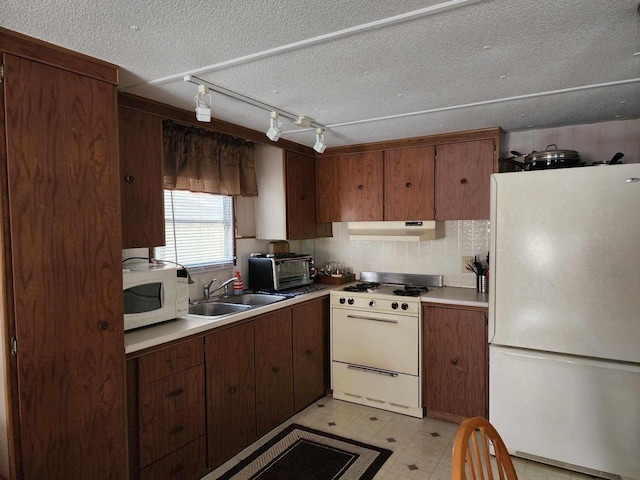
564, 317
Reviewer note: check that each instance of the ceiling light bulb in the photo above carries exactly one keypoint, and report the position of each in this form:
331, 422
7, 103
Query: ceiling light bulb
274, 131
320, 143
203, 104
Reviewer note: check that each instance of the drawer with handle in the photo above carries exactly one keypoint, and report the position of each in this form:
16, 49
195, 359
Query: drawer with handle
170, 433
186, 463
163, 397
170, 361
373, 385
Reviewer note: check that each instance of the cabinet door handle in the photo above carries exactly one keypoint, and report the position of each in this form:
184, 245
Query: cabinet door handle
409, 185
129, 178
454, 361
103, 326
308, 352
360, 187
176, 392
176, 430
463, 181
233, 390
274, 369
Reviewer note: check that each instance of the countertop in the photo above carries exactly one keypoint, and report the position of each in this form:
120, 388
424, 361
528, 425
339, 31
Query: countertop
188, 325
456, 296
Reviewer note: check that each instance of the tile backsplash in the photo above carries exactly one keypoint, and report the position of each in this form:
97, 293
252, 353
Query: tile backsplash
438, 257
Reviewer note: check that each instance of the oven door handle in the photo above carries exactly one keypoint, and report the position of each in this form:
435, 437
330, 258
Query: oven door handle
372, 370
360, 317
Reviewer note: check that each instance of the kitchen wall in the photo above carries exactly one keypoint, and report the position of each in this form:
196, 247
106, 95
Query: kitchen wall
439, 257
593, 142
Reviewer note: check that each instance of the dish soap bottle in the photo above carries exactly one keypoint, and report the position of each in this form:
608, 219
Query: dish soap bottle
238, 286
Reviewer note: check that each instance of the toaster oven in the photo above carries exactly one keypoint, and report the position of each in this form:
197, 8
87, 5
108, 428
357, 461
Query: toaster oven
274, 272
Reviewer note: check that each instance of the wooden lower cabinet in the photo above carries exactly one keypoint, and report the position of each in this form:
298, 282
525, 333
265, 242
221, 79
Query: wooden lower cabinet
231, 392
310, 352
455, 359
274, 370
186, 463
195, 404
166, 413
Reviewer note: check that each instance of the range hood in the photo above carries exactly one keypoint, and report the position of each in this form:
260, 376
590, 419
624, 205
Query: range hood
413, 231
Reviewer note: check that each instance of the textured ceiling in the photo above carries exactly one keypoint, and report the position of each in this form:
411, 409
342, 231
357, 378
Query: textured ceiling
433, 66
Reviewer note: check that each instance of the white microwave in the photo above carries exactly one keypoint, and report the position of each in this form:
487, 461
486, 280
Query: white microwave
153, 293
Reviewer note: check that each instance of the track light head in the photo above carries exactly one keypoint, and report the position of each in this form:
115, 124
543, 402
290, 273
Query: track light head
274, 131
320, 143
203, 104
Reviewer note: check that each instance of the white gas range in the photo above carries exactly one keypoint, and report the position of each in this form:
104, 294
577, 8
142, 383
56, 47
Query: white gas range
376, 341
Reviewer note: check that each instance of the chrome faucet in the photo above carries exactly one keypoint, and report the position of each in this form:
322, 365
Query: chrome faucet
225, 285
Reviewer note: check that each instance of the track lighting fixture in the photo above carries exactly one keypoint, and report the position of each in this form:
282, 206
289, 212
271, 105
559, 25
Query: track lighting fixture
274, 131
320, 143
203, 111
203, 104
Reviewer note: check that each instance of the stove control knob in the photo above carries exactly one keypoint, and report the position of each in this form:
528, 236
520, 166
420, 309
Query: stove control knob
350, 301
372, 303
405, 306
342, 300
394, 305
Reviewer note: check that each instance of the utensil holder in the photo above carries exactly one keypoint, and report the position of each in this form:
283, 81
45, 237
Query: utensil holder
482, 284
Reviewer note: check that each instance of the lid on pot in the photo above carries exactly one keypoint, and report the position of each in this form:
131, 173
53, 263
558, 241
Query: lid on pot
553, 153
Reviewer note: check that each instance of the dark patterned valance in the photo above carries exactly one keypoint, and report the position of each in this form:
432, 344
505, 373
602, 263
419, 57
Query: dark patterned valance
202, 161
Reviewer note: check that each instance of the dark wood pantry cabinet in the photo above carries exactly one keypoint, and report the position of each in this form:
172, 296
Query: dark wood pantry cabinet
455, 362
61, 256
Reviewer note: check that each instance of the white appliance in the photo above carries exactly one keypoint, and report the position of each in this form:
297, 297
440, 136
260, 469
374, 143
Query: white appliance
376, 341
153, 293
564, 310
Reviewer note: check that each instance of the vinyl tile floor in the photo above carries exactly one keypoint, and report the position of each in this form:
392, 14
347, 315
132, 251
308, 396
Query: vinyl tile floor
421, 447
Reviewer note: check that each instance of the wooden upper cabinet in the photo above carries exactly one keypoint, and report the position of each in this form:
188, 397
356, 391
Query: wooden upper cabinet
327, 189
141, 179
301, 196
361, 187
409, 184
462, 174
286, 205
349, 187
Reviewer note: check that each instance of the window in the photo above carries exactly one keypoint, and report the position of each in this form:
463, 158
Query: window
198, 229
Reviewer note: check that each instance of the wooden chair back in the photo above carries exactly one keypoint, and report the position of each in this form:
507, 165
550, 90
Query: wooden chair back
471, 459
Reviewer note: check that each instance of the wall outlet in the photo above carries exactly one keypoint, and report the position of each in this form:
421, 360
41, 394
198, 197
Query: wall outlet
465, 262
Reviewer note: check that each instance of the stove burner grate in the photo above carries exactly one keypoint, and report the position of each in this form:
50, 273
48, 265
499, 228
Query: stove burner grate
361, 287
411, 291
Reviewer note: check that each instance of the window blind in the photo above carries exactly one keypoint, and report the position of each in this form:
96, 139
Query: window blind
199, 229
